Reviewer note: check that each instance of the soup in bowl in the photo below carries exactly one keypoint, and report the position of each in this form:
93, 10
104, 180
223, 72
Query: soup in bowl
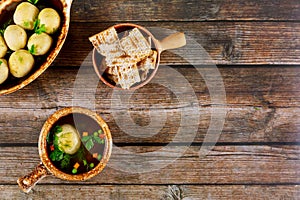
75, 144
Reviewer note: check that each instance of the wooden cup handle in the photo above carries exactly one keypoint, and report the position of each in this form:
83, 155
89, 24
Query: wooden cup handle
173, 41
26, 183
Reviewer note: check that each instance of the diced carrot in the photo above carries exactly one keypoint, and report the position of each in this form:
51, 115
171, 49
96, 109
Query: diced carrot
85, 134
52, 147
76, 165
102, 136
95, 155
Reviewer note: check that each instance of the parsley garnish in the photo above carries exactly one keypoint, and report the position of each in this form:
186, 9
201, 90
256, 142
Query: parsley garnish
65, 162
89, 144
57, 129
56, 155
1, 62
90, 140
20, 59
33, 1
32, 50
48, 137
26, 24
38, 28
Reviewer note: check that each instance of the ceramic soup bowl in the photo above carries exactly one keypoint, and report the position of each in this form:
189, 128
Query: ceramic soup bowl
81, 118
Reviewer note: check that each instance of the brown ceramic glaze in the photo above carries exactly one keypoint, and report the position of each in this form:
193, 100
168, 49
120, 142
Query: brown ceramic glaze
173, 41
27, 182
64, 8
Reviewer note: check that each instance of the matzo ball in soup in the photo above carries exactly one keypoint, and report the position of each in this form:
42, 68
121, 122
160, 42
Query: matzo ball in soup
15, 37
39, 43
3, 70
25, 15
50, 18
3, 47
20, 63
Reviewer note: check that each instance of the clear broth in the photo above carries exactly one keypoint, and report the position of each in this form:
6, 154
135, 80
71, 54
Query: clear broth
82, 123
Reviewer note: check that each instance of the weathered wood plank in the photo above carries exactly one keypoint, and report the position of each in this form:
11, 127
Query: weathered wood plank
262, 106
223, 42
244, 86
179, 10
152, 192
244, 125
223, 165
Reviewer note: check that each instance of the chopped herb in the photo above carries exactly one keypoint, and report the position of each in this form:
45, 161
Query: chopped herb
65, 162
56, 155
55, 141
33, 1
36, 24
90, 139
20, 59
48, 136
97, 139
32, 50
85, 138
26, 24
57, 129
89, 144
80, 153
99, 157
84, 162
42, 29
38, 28
1, 62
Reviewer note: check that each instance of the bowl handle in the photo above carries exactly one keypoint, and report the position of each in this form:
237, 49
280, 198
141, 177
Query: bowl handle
26, 183
173, 41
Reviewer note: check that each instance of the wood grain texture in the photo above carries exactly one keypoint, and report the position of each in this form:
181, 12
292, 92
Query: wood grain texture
262, 105
242, 125
137, 192
262, 87
223, 165
180, 10
258, 153
208, 42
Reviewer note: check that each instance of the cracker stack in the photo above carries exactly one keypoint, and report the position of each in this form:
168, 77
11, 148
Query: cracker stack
129, 59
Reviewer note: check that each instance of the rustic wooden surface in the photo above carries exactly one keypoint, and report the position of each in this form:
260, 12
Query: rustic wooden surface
227, 42
255, 45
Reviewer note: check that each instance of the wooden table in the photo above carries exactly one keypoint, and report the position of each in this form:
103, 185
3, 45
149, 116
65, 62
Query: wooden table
256, 47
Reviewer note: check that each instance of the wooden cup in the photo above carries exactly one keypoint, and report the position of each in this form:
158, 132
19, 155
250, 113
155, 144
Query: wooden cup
26, 183
173, 41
